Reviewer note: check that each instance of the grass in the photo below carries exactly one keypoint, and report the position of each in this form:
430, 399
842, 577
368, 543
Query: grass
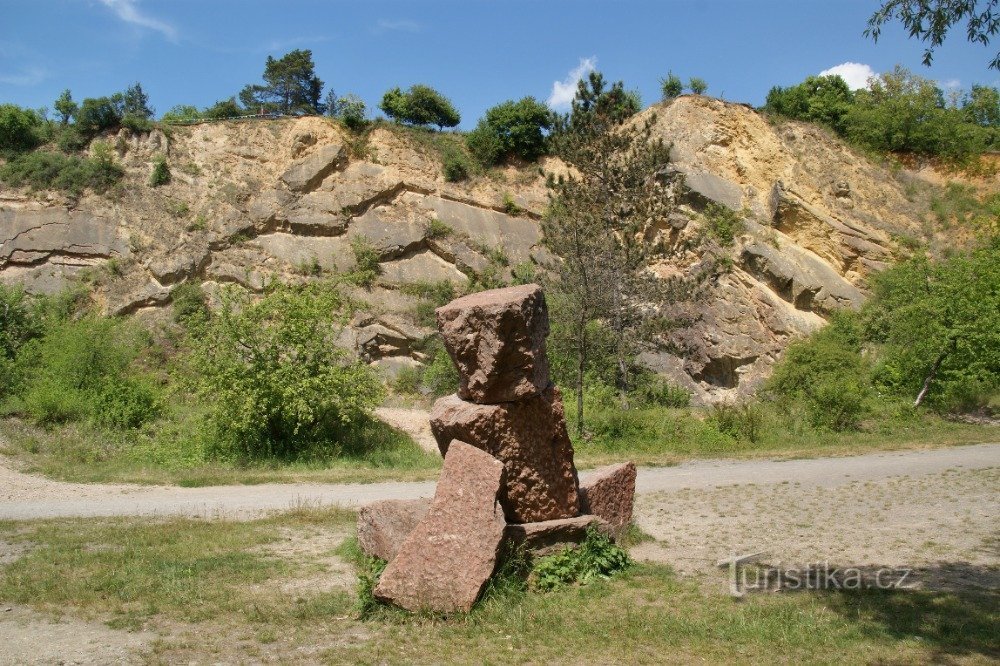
166, 452
662, 435
208, 588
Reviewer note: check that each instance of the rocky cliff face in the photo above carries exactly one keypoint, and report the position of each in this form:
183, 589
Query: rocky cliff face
251, 202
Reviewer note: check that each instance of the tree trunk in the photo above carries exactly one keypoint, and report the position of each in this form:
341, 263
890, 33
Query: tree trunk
932, 374
623, 382
581, 366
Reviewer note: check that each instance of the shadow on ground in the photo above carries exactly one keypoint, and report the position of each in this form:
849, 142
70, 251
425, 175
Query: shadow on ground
951, 607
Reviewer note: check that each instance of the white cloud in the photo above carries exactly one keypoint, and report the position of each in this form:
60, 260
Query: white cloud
563, 91
127, 11
854, 73
400, 25
951, 84
28, 77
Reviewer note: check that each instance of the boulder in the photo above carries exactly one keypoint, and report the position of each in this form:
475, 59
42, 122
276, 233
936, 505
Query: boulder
550, 536
308, 173
383, 526
529, 437
446, 560
609, 493
497, 340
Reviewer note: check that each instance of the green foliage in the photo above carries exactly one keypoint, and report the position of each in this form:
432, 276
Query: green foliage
280, 385
20, 322
352, 111
135, 103
671, 86
723, 224
902, 111
181, 113
819, 99
827, 375
290, 85
742, 421
65, 106
161, 172
420, 105
930, 22
43, 170
938, 327
19, 129
98, 114
651, 389
697, 85
225, 108
597, 557
898, 111
366, 262
190, 305
438, 229
511, 129
440, 376
85, 369
455, 165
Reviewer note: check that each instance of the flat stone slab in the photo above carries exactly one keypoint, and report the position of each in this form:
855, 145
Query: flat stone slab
383, 526
308, 173
530, 438
551, 536
497, 340
609, 493
445, 562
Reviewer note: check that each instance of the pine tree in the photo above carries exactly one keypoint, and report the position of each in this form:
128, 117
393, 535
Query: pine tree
606, 303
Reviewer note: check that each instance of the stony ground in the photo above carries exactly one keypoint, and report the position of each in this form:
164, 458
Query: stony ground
933, 510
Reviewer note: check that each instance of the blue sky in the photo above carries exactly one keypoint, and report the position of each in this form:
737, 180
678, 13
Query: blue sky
475, 51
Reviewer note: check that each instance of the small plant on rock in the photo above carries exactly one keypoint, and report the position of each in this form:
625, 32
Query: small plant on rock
161, 172
597, 557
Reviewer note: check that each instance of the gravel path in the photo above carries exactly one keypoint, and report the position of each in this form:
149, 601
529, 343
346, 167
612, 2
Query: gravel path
24, 496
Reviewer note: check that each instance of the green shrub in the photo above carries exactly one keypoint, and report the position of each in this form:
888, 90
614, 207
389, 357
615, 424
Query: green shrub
440, 376
827, 374
366, 262
129, 403
190, 305
352, 111
54, 171
420, 105
20, 322
19, 129
226, 108
81, 368
280, 385
743, 421
671, 86
724, 224
597, 557
161, 172
819, 99
511, 129
438, 229
455, 167
697, 85
653, 390
96, 115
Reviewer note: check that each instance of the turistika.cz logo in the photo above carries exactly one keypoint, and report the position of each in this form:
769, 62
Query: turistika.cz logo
748, 574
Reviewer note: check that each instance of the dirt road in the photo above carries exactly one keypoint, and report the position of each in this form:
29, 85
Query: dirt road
27, 497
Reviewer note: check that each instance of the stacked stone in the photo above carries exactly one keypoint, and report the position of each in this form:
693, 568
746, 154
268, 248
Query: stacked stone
508, 472
506, 404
